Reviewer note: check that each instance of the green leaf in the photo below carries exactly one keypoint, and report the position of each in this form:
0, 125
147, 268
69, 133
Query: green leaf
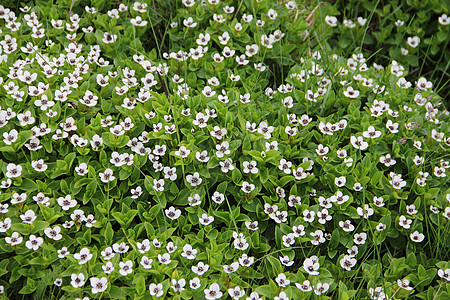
22, 138
109, 234
29, 287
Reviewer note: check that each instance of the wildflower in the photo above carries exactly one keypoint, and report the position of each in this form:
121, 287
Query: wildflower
77, 280
332, 21
311, 265
360, 238
413, 42
107, 176
444, 274
15, 239
194, 283
63, 252
358, 142
146, 262
84, 256
206, 220
348, 262
53, 233
371, 133
321, 288
194, 179
126, 267
178, 285
34, 242
247, 187
444, 20
236, 293
213, 292
351, 93
98, 285
404, 284
246, 261
305, 286
417, 237
282, 280
346, 226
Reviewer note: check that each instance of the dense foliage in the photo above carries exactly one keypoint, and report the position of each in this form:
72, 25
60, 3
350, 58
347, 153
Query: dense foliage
219, 150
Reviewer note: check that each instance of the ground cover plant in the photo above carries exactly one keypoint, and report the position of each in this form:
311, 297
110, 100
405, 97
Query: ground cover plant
414, 33
221, 150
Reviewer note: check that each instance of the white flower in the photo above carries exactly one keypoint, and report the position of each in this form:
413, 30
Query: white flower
25, 119
98, 285
246, 261
135, 193
444, 20
28, 217
146, 262
340, 181
349, 23
10, 137
53, 233
231, 268
404, 222
285, 260
77, 280
227, 165
444, 274
39, 165
330, 20
413, 42
189, 252
305, 286
247, 187
393, 127
15, 239
206, 220
67, 202
173, 213
144, 246
200, 269
213, 292
18, 198
387, 160
285, 166
366, 212
362, 21
360, 238
282, 280
371, 133
120, 248
194, 179
346, 226
84, 256
34, 242
417, 237
158, 185
321, 288
13, 170
358, 142
236, 293
351, 93
348, 262
311, 265
194, 283
178, 285
107, 176
126, 267
218, 197
404, 284
164, 259
63, 252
